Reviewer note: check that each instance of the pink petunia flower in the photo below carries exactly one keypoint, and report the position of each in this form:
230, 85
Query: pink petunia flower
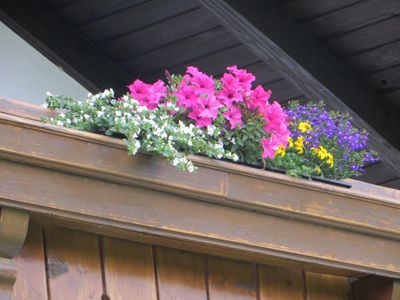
234, 116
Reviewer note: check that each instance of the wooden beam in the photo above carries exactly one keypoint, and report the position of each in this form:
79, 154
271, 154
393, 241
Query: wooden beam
311, 67
375, 288
88, 182
35, 22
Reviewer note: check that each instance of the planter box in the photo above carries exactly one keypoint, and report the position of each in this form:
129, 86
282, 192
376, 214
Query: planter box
87, 181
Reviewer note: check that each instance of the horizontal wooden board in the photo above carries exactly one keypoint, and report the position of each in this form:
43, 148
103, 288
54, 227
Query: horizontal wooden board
377, 173
135, 18
365, 38
393, 97
376, 59
307, 9
394, 183
87, 11
388, 79
214, 63
282, 91
353, 17
180, 52
157, 35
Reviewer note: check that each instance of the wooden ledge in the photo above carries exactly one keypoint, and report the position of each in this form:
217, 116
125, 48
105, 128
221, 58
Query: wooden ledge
88, 181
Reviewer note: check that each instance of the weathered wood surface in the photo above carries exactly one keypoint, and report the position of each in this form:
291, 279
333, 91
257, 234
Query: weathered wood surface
73, 265
281, 283
128, 270
31, 283
127, 196
143, 271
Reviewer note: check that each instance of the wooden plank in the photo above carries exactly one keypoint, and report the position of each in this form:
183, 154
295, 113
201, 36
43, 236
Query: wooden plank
192, 48
353, 17
230, 279
281, 283
375, 288
63, 45
159, 34
135, 18
282, 90
73, 264
365, 38
310, 66
31, 272
307, 9
377, 173
85, 11
388, 79
213, 64
394, 183
181, 274
376, 59
128, 270
327, 287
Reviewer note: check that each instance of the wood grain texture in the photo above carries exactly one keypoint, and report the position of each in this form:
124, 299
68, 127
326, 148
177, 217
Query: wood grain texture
73, 265
327, 287
191, 48
353, 17
8, 274
31, 267
136, 17
128, 270
280, 283
159, 34
387, 79
181, 274
230, 279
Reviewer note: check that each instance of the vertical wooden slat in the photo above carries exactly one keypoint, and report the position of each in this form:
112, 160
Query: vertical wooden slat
326, 287
231, 279
280, 283
30, 262
181, 274
73, 264
375, 288
129, 270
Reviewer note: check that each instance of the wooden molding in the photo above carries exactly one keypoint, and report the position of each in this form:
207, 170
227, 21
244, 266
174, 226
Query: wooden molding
375, 288
8, 275
307, 64
87, 181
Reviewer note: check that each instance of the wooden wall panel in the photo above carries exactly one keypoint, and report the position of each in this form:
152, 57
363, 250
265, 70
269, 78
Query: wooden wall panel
128, 270
73, 264
280, 283
31, 276
181, 274
231, 279
326, 287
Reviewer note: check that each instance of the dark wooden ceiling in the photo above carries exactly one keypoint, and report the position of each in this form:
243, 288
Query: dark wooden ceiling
142, 38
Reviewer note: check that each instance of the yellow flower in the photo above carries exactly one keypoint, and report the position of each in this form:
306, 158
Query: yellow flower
321, 152
304, 126
329, 160
290, 142
280, 151
318, 170
299, 146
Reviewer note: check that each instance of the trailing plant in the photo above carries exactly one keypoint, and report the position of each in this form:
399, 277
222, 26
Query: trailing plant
191, 114
322, 143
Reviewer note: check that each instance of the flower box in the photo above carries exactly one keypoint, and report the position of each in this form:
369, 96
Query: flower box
86, 181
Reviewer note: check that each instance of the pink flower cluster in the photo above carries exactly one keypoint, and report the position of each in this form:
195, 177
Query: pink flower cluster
198, 96
148, 95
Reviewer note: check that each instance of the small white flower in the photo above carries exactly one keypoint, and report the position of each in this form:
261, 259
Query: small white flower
100, 114
68, 121
191, 168
210, 130
118, 113
86, 116
44, 105
48, 94
235, 157
60, 123
89, 95
62, 115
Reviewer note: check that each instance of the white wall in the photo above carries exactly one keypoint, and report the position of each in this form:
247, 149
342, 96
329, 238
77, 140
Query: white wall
27, 75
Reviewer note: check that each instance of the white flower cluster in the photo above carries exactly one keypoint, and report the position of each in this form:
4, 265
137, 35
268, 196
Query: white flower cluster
155, 131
